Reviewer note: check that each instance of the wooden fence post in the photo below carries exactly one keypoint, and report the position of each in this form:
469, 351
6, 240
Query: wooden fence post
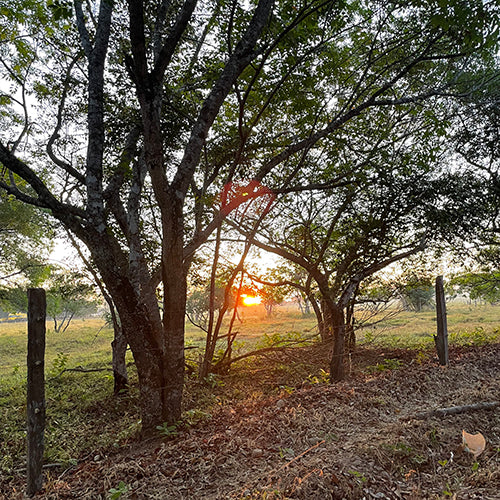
441, 338
36, 388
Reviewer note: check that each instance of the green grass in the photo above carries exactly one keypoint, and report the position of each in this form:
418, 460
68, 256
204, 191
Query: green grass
77, 403
85, 342
467, 324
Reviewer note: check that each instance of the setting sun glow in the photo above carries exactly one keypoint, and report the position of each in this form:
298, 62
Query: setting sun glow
251, 300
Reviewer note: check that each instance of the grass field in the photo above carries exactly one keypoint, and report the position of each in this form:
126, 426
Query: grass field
87, 342
80, 403
466, 323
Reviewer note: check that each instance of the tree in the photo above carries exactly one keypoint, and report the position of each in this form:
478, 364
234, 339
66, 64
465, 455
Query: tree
271, 297
173, 101
400, 203
476, 140
478, 285
198, 306
69, 294
415, 291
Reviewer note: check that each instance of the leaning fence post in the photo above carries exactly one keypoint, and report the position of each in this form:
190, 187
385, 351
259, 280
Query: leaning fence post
442, 329
36, 388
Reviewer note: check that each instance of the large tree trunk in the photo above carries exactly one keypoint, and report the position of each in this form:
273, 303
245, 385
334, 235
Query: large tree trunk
158, 349
144, 338
337, 371
174, 308
139, 315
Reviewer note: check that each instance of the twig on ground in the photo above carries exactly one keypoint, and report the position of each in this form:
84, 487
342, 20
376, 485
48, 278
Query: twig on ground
454, 410
44, 466
294, 459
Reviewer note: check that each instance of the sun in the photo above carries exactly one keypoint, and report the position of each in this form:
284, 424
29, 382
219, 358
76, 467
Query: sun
251, 300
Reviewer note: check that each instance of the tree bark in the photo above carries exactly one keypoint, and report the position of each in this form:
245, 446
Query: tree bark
140, 322
119, 349
174, 307
324, 318
142, 336
337, 370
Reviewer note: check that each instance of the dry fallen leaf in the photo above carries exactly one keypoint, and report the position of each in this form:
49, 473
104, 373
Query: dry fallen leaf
473, 443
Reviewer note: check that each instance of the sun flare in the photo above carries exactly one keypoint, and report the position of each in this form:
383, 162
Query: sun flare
251, 300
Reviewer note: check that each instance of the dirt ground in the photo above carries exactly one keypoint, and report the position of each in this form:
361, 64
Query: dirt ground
364, 438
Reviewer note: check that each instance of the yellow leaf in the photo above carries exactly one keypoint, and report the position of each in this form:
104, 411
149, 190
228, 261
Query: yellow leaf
474, 443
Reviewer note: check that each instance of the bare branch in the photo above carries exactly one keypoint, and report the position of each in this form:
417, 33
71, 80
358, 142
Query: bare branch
82, 28
45, 198
55, 134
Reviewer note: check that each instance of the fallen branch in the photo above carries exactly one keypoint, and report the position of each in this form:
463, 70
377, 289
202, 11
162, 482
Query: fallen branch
44, 466
220, 367
82, 370
454, 410
275, 471
87, 370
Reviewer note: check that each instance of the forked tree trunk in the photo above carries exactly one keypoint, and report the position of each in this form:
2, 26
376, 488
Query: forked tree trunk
141, 326
157, 347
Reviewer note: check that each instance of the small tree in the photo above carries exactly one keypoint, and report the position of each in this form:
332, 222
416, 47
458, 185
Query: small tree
198, 305
69, 295
417, 296
272, 296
